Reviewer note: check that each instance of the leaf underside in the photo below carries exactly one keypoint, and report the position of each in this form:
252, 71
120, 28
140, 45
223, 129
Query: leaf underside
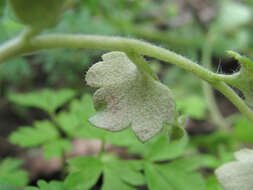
237, 174
127, 97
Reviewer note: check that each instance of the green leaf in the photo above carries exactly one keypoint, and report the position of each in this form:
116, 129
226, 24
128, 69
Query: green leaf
195, 162
125, 138
53, 185
127, 96
76, 126
31, 188
85, 173
125, 179
213, 184
194, 106
75, 122
244, 80
2, 8
15, 70
6, 186
11, 174
162, 149
56, 148
112, 181
83, 108
47, 100
155, 180
214, 141
127, 171
167, 177
243, 130
42, 132
237, 174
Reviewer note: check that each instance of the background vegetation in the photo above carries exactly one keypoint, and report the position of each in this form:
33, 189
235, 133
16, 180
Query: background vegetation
45, 103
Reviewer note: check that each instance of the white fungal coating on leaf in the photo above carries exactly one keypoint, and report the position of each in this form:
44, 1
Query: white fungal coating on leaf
128, 97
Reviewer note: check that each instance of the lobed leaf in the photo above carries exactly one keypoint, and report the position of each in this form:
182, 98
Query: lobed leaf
42, 185
195, 162
166, 177
127, 97
57, 148
75, 122
85, 173
126, 171
162, 149
47, 100
11, 174
122, 175
42, 132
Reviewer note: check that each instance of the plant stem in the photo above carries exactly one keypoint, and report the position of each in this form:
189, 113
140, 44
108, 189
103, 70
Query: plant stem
229, 93
125, 45
102, 148
109, 43
63, 155
142, 65
18, 47
215, 113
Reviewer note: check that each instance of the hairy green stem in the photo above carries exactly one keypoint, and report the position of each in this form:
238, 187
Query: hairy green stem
19, 46
142, 65
108, 43
125, 45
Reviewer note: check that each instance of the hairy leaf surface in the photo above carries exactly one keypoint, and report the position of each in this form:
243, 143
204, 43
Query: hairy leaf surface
237, 174
127, 96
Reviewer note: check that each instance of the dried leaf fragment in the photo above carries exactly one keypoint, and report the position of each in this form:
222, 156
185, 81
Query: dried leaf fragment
127, 97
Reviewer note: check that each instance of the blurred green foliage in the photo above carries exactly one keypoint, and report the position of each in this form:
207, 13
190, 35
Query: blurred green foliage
10, 173
158, 163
